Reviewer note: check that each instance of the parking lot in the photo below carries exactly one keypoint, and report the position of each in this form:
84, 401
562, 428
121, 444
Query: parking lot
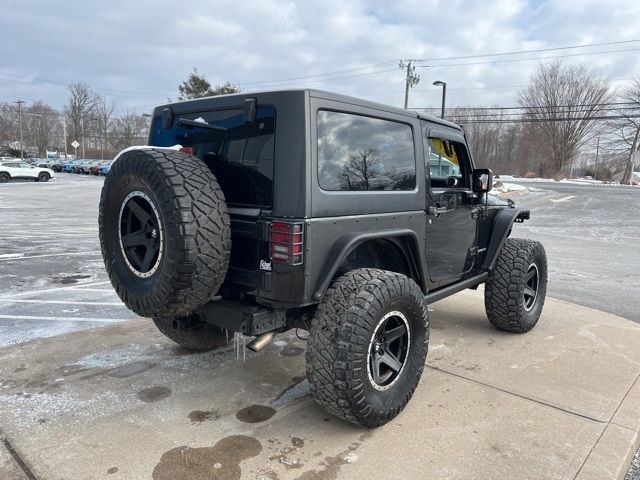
112, 398
53, 279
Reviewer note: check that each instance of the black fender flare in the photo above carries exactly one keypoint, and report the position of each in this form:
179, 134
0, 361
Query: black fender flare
347, 243
502, 224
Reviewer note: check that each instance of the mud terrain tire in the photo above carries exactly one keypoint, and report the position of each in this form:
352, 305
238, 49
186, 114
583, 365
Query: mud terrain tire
164, 232
515, 291
343, 346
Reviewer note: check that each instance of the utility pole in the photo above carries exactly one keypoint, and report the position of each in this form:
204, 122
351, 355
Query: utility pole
82, 131
595, 174
64, 133
412, 78
20, 102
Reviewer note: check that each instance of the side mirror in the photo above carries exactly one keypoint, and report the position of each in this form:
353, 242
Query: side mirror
482, 180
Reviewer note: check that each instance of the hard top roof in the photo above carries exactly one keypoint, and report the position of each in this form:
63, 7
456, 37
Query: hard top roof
327, 96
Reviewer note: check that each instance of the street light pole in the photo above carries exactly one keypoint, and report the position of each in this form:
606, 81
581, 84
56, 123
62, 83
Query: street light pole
439, 83
20, 102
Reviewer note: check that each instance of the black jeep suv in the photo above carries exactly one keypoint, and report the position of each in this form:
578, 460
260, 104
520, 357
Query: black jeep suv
257, 213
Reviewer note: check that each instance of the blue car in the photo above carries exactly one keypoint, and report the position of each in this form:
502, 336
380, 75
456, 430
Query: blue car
104, 170
67, 167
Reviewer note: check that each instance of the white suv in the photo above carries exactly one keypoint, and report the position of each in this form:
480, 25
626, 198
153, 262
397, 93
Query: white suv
13, 169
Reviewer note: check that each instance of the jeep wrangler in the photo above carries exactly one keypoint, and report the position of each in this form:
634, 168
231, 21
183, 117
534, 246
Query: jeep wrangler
257, 213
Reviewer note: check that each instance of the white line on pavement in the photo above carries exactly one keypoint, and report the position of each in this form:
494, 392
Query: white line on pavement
563, 199
109, 290
60, 319
27, 257
48, 290
62, 302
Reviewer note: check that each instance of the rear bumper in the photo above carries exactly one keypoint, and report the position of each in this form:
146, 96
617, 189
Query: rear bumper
240, 317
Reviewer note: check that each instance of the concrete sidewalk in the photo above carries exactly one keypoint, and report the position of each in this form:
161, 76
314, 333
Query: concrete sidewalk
561, 402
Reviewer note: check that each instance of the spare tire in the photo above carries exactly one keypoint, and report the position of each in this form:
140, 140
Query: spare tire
164, 232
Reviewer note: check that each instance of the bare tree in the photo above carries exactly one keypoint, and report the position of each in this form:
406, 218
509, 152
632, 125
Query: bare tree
8, 121
42, 126
104, 111
127, 130
627, 128
80, 108
563, 104
359, 171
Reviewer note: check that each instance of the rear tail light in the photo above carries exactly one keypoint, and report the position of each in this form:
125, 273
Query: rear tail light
285, 242
187, 150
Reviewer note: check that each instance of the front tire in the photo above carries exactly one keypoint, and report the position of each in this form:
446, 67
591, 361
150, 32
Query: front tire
367, 346
4, 177
43, 177
200, 339
515, 291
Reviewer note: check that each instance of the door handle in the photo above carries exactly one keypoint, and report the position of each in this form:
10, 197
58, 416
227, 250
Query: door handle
437, 210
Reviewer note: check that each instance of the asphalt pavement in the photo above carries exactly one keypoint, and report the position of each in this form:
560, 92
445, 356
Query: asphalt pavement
592, 237
52, 277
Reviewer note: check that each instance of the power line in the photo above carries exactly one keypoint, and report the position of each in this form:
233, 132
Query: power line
606, 104
586, 45
535, 58
337, 72
539, 120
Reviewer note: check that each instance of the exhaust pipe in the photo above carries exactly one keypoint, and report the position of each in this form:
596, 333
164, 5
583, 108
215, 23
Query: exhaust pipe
260, 342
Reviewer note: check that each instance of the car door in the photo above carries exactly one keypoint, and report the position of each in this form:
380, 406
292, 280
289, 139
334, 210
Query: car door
451, 230
28, 171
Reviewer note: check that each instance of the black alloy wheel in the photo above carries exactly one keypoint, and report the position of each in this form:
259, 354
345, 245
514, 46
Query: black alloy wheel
388, 350
141, 236
530, 292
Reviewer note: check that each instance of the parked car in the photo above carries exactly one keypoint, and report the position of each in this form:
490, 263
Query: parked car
68, 166
265, 220
84, 167
56, 164
105, 169
14, 170
95, 169
46, 162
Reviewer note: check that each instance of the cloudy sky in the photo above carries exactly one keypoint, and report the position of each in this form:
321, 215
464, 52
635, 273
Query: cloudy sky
137, 52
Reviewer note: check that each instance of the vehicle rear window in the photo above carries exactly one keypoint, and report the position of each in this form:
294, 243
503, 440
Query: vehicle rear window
241, 155
356, 152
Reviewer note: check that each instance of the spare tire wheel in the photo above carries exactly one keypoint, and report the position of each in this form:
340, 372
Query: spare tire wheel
164, 232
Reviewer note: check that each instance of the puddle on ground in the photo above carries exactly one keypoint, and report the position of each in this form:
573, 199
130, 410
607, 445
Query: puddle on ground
255, 413
129, 369
68, 279
294, 392
153, 394
220, 462
291, 351
112, 470
199, 416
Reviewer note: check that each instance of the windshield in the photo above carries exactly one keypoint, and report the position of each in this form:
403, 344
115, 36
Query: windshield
239, 154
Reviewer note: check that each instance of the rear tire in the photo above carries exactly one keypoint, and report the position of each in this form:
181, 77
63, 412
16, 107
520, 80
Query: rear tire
164, 232
515, 291
206, 337
4, 177
367, 318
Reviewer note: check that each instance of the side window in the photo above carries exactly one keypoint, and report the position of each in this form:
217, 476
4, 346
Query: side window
447, 162
364, 153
